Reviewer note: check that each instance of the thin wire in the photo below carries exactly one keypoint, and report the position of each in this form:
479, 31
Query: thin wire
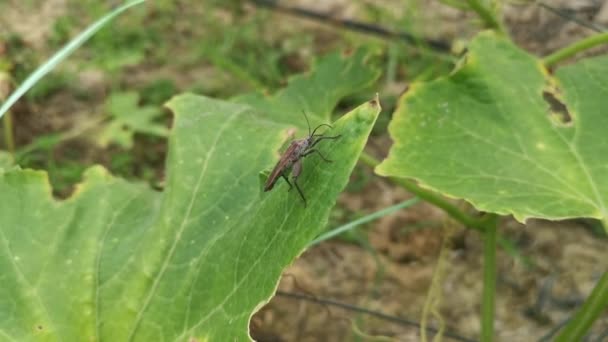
566, 15
438, 45
350, 307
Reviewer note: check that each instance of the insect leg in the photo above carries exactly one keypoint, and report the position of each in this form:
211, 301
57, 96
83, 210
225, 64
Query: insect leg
297, 168
287, 180
318, 152
323, 138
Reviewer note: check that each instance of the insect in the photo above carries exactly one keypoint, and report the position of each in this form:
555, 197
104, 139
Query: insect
291, 160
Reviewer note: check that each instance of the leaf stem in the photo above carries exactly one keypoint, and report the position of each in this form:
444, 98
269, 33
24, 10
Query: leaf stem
9, 138
489, 280
429, 196
571, 50
486, 14
487, 225
595, 304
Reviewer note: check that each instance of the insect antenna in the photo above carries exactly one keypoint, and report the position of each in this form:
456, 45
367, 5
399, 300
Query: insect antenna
321, 125
307, 122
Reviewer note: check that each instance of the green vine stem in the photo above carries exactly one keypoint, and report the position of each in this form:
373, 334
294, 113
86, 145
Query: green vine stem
430, 197
9, 138
597, 302
489, 280
575, 48
487, 225
486, 14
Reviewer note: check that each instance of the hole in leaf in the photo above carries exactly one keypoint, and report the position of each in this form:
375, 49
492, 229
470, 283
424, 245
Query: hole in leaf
558, 110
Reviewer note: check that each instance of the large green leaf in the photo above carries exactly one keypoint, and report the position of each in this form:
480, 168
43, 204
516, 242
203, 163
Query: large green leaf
56, 257
117, 261
487, 134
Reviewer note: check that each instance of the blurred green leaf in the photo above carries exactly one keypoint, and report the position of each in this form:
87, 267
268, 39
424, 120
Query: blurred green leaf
495, 134
128, 118
334, 77
158, 91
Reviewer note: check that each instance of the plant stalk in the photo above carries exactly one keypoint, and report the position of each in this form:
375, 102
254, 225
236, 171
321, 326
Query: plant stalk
9, 138
429, 196
487, 225
489, 280
486, 14
575, 48
595, 305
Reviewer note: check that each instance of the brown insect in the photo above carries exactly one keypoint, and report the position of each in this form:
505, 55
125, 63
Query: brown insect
291, 160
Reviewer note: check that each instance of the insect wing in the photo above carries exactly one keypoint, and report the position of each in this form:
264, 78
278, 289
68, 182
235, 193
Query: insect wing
282, 164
